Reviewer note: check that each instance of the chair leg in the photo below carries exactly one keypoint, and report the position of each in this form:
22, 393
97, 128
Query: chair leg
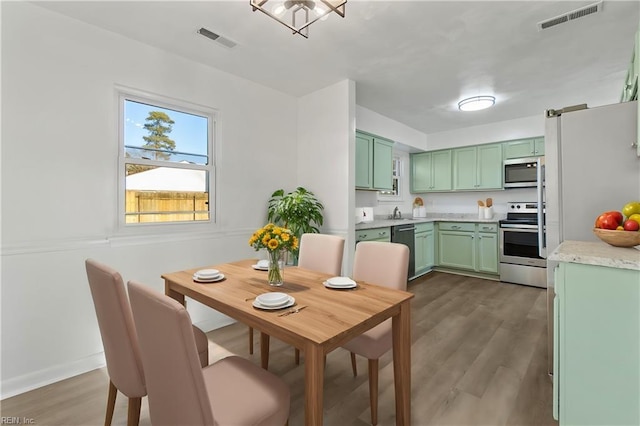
111, 403
297, 356
133, 416
250, 340
354, 367
373, 390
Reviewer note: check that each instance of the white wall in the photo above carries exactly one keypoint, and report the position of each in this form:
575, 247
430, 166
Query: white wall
326, 157
59, 182
374, 123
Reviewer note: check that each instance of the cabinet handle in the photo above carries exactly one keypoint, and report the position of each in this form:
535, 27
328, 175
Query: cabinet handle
363, 236
382, 234
486, 227
455, 227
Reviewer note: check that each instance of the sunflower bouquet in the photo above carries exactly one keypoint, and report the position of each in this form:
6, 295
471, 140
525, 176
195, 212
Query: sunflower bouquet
275, 240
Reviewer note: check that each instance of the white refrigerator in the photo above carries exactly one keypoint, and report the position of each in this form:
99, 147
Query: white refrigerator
591, 167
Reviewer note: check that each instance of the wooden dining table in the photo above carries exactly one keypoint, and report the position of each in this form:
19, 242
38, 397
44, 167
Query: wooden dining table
329, 319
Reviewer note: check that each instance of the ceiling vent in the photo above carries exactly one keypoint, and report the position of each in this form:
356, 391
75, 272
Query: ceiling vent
217, 38
570, 16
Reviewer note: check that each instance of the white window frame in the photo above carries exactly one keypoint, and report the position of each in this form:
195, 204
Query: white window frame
125, 93
398, 177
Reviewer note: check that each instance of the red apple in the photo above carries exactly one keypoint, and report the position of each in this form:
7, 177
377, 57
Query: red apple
608, 222
631, 225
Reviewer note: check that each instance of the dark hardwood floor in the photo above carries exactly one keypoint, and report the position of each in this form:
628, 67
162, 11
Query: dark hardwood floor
479, 357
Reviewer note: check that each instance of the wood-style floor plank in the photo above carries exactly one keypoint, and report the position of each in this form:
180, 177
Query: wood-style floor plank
479, 356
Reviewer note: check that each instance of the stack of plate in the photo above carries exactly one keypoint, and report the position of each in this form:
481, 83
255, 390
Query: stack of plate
208, 276
262, 265
340, 283
273, 300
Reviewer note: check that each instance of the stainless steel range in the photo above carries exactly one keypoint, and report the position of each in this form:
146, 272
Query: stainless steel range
520, 239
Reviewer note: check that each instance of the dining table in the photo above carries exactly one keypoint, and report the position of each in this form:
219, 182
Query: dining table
320, 320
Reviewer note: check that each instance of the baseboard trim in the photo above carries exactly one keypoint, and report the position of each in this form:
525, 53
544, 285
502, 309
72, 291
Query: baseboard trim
30, 381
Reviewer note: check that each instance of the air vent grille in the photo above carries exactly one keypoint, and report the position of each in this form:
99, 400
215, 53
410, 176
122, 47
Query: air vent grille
217, 38
570, 16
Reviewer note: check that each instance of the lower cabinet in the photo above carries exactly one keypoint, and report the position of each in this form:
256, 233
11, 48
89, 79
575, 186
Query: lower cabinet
374, 234
424, 247
596, 345
468, 246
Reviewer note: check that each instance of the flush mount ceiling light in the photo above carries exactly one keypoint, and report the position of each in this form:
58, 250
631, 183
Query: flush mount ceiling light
476, 103
297, 15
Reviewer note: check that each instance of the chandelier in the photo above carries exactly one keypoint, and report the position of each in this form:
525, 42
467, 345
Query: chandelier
297, 15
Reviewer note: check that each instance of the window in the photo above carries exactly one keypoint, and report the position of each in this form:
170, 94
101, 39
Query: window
393, 193
166, 161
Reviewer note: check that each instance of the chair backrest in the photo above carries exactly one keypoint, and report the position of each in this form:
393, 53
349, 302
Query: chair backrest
177, 392
117, 329
384, 264
322, 253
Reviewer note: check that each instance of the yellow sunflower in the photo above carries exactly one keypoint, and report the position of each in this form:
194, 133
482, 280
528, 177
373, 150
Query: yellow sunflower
273, 244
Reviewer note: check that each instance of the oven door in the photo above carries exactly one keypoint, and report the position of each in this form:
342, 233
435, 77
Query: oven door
519, 245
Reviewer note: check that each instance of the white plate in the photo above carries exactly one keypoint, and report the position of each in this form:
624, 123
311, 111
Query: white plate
263, 263
273, 298
341, 282
260, 268
208, 280
340, 287
289, 303
207, 274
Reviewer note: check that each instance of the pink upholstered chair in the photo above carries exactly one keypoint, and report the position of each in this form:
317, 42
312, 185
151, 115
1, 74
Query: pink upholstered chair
384, 264
232, 391
120, 340
318, 252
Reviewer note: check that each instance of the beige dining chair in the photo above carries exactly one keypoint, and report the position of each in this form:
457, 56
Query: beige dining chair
318, 252
384, 264
232, 391
120, 340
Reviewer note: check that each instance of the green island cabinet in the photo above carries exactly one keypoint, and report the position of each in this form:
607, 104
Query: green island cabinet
521, 148
431, 171
477, 167
424, 247
596, 345
468, 246
374, 234
374, 162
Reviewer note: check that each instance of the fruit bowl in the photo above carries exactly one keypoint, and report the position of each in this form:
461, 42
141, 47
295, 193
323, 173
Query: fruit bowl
618, 238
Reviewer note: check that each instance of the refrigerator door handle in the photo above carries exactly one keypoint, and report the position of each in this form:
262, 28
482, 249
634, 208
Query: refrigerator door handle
542, 244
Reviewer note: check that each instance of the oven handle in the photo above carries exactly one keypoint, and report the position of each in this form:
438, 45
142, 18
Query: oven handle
524, 228
542, 247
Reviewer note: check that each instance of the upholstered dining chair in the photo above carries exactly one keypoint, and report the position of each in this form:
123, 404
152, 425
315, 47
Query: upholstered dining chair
232, 391
120, 340
384, 264
318, 252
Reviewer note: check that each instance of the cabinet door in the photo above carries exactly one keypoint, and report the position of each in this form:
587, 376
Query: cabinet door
382, 164
489, 167
487, 252
518, 149
456, 249
441, 170
430, 248
464, 168
364, 161
420, 252
420, 172
538, 147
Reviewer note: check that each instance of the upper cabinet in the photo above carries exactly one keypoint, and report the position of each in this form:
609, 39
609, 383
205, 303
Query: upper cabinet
477, 167
431, 171
532, 147
374, 162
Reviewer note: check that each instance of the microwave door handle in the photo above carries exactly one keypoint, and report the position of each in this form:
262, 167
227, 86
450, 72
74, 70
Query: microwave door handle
542, 248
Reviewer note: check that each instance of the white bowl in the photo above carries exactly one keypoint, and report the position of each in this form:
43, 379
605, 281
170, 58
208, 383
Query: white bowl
273, 299
263, 263
207, 273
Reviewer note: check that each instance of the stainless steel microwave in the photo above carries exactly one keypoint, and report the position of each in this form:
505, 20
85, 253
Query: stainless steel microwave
521, 172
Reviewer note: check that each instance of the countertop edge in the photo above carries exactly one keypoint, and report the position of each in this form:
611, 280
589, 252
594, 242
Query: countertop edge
597, 254
383, 223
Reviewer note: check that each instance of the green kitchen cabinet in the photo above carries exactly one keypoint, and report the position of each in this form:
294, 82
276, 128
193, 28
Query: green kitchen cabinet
424, 247
596, 345
374, 234
468, 246
477, 167
630, 87
431, 171
531, 147
374, 162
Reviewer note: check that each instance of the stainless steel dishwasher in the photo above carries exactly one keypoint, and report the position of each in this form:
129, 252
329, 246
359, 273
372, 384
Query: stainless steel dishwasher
404, 234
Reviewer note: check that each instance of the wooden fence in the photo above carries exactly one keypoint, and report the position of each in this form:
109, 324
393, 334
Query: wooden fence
166, 206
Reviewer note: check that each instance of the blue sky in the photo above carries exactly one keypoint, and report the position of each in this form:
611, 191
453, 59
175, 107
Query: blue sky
189, 131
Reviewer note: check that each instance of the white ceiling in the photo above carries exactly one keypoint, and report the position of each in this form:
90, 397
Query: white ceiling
411, 60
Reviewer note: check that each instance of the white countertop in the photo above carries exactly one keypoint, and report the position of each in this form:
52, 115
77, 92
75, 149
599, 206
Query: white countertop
597, 253
431, 217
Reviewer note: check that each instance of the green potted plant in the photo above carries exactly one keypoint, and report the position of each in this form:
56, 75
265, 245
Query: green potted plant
299, 210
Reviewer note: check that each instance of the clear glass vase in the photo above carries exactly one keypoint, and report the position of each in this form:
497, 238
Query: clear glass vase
276, 268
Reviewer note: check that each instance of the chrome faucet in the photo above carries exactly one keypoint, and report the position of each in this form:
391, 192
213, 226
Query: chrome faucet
396, 211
